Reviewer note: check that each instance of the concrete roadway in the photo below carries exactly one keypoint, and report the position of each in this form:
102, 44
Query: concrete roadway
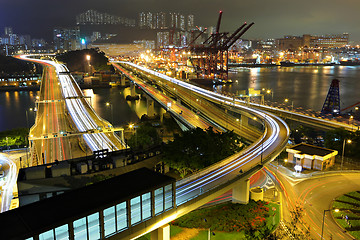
214, 113
190, 116
315, 195
52, 118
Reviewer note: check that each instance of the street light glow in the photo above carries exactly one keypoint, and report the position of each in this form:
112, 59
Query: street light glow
349, 141
88, 57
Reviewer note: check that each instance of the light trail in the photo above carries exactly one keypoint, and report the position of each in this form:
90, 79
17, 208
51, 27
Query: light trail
82, 114
10, 182
272, 141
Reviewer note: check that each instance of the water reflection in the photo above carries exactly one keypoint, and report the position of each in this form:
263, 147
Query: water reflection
305, 86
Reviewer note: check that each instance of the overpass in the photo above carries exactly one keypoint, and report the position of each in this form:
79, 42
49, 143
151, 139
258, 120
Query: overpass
199, 107
231, 173
197, 189
318, 122
66, 124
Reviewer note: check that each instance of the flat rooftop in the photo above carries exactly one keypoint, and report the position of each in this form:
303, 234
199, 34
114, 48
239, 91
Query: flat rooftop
40, 216
304, 148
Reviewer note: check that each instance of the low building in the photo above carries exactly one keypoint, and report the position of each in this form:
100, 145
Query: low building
311, 157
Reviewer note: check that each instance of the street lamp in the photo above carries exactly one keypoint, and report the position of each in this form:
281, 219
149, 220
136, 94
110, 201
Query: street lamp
209, 231
27, 116
112, 112
343, 150
323, 222
88, 58
292, 103
269, 91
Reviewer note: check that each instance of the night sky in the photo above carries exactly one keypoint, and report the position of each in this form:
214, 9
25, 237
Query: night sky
273, 18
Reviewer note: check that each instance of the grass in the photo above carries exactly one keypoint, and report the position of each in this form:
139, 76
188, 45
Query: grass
174, 230
345, 210
229, 221
203, 235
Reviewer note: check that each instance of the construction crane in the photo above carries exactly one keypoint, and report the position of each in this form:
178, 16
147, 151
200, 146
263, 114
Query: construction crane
210, 59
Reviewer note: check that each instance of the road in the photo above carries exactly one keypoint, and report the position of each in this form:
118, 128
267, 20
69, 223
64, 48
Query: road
201, 106
62, 110
218, 178
7, 182
316, 195
188, 115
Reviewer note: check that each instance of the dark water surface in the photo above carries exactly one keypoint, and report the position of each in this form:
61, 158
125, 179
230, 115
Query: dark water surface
305, 86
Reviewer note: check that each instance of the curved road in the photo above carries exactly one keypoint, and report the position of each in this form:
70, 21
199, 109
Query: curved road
315, 195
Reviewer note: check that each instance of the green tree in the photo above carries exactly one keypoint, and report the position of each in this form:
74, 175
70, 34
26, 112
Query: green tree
144, 137
76, 60
196, 149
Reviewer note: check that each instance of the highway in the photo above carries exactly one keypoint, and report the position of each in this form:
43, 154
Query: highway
318, 122
199, 105
314, 195
67, 110
192, 119
7, 182
198, 186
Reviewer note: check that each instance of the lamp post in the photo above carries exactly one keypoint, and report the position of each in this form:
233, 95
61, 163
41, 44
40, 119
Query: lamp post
292, 103
132, 126
27, 126
343, 150
351, 118
269, 91
112, 112
88, 58
209, 231
323, 222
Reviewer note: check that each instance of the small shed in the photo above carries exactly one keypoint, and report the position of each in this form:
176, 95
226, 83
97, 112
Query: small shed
311, 157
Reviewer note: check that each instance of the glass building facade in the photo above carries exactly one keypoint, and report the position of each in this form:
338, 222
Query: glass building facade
116, 218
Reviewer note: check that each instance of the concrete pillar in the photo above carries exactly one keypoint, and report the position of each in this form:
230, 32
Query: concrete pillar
244, 121
132, 90
122, 80
162, 233
150, 107
240, 193
162, 111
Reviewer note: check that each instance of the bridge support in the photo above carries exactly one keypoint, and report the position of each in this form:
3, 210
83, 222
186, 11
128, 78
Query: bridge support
132, 90
122, 80
162, 112
150, 107
162, 233
240, 193
244, 120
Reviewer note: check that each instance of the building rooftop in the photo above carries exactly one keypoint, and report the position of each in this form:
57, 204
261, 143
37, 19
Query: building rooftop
304, 148
40, 216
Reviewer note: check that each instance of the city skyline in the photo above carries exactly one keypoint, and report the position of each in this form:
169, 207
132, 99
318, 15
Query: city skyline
273, 19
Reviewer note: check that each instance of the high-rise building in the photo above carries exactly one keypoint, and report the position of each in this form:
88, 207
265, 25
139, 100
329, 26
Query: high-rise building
182, 22
162, 39
160, 20
67, 38
142, 20
93, 17
190, 22
8, 31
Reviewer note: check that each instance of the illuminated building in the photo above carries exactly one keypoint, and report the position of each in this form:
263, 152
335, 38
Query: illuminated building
316, 41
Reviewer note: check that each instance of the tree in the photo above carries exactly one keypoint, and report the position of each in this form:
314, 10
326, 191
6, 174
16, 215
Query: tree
144, 137
197, 149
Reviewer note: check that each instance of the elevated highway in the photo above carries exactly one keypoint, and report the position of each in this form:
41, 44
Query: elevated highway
188, 193
233, 172
63, 109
